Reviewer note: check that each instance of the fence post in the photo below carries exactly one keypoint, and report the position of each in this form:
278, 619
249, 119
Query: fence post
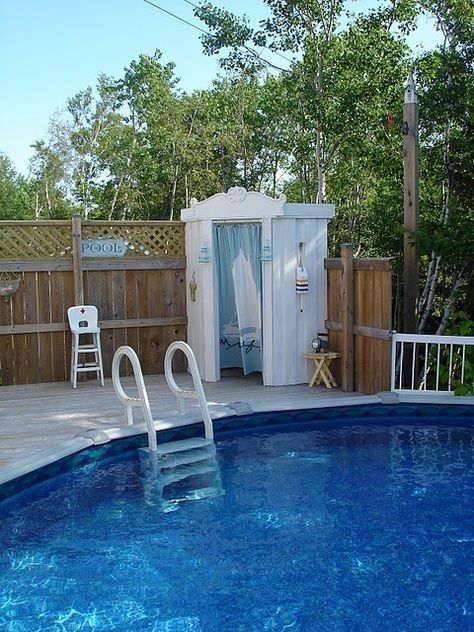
77, 259
347, 287
411, 208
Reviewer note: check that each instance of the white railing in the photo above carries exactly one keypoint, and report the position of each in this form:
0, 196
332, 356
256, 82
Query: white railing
432, 364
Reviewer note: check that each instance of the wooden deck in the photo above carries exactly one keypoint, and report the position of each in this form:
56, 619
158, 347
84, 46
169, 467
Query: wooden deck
41, 423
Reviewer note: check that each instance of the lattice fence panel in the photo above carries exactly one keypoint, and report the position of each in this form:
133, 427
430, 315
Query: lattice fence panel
160, 240
35, 240
53, 240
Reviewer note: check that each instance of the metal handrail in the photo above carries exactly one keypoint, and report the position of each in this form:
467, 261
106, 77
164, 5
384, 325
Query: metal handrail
142, 400
422, 355
181, 394
129, 402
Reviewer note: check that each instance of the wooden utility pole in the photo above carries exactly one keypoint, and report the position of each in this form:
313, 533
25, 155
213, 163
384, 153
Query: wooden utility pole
77, 259
411, 207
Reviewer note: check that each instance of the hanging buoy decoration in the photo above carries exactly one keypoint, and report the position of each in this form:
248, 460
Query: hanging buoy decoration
302, 284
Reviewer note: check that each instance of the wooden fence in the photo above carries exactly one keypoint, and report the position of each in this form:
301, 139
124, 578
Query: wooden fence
360, 320
140, 297
141, 300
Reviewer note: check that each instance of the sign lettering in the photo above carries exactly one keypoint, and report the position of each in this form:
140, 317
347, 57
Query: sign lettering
103, 248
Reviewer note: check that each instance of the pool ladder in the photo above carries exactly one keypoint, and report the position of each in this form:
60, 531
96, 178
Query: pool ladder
143, 402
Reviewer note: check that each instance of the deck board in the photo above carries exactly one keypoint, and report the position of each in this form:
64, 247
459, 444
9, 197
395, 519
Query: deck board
40, 420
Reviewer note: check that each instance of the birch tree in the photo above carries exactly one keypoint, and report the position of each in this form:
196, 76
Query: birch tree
446, 77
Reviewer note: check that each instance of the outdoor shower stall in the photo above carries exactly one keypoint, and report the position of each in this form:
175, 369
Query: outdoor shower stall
256, 284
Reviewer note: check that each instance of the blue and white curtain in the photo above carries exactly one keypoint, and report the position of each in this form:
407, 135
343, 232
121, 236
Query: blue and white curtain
237, 252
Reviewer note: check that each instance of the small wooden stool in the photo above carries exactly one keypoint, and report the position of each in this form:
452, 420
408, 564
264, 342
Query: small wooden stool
322, 372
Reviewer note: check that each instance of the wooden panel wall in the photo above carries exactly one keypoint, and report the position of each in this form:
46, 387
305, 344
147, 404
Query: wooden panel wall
143, 308
335, 315
140, 297
373, 309
372, 322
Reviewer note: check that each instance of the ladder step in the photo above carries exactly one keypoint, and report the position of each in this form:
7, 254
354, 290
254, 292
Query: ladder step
185, 457
182, 472
183, 444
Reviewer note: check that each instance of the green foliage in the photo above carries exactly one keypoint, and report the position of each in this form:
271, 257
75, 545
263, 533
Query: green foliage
446, 84
462, 324
15, 192
138, 147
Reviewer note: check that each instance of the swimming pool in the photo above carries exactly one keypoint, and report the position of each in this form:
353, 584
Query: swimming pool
336, 519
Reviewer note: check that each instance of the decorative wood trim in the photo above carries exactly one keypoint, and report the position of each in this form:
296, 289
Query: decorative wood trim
104, 324
34, 223
36, 265
65, 265
89, 222
143, 322
361, 330
372, 332
374, 264
131, 222
332, 264
333, 325
33, 328
135, 264
384, 263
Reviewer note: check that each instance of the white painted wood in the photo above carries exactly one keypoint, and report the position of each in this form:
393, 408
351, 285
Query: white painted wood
284, 300
267, 308
286, 331
317, 211
294, 330
193, 308
420, 347
307, 320
237, 203
203, 316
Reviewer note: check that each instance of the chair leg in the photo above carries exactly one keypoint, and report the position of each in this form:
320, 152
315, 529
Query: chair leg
72, 359
75, 360
96, 355
99, 360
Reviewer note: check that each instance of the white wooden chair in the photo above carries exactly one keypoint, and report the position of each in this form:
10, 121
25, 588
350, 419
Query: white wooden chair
83, 320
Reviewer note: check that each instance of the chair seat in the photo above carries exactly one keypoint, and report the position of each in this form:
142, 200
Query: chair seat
86, 330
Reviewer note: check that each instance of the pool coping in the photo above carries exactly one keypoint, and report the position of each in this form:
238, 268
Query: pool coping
97, 437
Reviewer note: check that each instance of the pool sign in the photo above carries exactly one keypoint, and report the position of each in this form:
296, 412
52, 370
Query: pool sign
103, 248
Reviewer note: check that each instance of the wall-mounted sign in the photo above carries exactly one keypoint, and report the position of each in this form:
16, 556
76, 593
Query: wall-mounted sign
103, 248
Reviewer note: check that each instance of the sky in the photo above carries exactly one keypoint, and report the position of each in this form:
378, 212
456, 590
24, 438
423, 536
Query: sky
52, 49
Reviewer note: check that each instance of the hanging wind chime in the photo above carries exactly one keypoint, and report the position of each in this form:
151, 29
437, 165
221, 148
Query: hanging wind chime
9, 282
302, 285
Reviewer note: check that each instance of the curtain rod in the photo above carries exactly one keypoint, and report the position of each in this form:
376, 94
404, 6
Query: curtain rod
218, 222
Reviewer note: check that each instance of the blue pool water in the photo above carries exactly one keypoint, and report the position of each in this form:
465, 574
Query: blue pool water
333, 520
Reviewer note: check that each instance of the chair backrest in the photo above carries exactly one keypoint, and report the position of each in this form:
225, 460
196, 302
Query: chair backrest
82, 317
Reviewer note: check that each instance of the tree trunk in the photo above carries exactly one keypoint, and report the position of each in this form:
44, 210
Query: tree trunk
173, 192
37, 207
448, 310
427, 296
